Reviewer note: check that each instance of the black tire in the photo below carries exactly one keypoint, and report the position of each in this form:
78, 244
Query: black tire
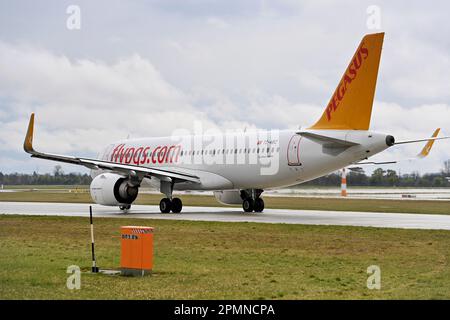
247, 205
177, 205
165, 205
259, 205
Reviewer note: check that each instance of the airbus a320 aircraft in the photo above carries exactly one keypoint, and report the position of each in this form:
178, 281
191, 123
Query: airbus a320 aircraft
245, 163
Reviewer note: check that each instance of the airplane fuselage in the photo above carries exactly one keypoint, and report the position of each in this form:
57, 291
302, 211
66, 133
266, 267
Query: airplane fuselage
244, 160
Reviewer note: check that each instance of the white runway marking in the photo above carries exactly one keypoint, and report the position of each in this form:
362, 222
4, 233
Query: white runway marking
310, 217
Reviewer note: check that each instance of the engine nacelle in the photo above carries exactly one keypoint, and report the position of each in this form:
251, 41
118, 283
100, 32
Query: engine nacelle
228, 196
110, 189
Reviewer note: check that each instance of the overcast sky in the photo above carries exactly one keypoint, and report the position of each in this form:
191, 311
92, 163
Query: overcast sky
145, 68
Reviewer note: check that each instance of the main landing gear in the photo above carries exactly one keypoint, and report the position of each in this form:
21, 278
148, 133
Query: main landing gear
166, 205
169, 204
251, 200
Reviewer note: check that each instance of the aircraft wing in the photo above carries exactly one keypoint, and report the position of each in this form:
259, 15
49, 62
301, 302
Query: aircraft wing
422, 154
128, 169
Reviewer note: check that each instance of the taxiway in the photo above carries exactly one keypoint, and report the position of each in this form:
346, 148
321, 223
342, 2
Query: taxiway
233, 214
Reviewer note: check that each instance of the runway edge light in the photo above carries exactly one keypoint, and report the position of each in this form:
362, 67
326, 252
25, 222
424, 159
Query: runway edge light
136, 257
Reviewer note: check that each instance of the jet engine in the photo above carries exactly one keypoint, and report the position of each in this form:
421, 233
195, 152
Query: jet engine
110, 189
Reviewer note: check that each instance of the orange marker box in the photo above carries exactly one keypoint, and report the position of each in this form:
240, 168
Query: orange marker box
137, 250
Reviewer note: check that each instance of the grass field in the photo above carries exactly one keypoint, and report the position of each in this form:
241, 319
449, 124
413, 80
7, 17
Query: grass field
49, 186
213, 260
369, 205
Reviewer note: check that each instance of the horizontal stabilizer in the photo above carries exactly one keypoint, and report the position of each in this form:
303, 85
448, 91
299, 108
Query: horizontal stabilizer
422, 154
327, 141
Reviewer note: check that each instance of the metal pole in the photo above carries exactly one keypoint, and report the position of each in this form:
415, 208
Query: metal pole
94, 265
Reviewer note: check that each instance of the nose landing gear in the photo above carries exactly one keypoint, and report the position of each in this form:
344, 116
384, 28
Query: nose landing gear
125, 208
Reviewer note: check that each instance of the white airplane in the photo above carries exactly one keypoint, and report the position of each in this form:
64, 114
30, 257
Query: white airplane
239, 166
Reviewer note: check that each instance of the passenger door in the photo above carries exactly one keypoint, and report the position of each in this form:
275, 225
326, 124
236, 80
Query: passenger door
293, 153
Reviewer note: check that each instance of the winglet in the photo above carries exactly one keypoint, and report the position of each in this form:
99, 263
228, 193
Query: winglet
28, 143
427, 148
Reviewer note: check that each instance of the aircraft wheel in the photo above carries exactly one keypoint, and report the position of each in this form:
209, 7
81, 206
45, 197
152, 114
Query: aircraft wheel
125, 207
177, 205
259, 205
165, 205
247, 205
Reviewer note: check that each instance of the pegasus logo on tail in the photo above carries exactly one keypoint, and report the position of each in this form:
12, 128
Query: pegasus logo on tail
350, 74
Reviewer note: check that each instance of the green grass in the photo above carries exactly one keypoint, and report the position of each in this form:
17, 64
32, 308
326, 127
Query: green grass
369, 205
214, 260
38, 186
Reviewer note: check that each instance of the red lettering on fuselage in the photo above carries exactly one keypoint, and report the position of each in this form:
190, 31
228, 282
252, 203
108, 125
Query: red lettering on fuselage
154, 154
114, 153
129, 155
122, 154
139, 155
145, 155
162, 154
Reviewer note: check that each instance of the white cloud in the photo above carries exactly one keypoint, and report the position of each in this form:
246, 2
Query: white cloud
217, 22
409, 123
83, 105
228, 64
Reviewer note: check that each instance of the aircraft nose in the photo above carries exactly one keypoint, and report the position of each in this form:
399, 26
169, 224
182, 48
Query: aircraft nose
390, 140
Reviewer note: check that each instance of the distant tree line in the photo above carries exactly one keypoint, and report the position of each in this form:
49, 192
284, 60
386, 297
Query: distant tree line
384, 178
58, 177
379, 178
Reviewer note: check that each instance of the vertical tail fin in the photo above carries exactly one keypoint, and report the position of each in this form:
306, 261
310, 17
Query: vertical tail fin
350, 106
